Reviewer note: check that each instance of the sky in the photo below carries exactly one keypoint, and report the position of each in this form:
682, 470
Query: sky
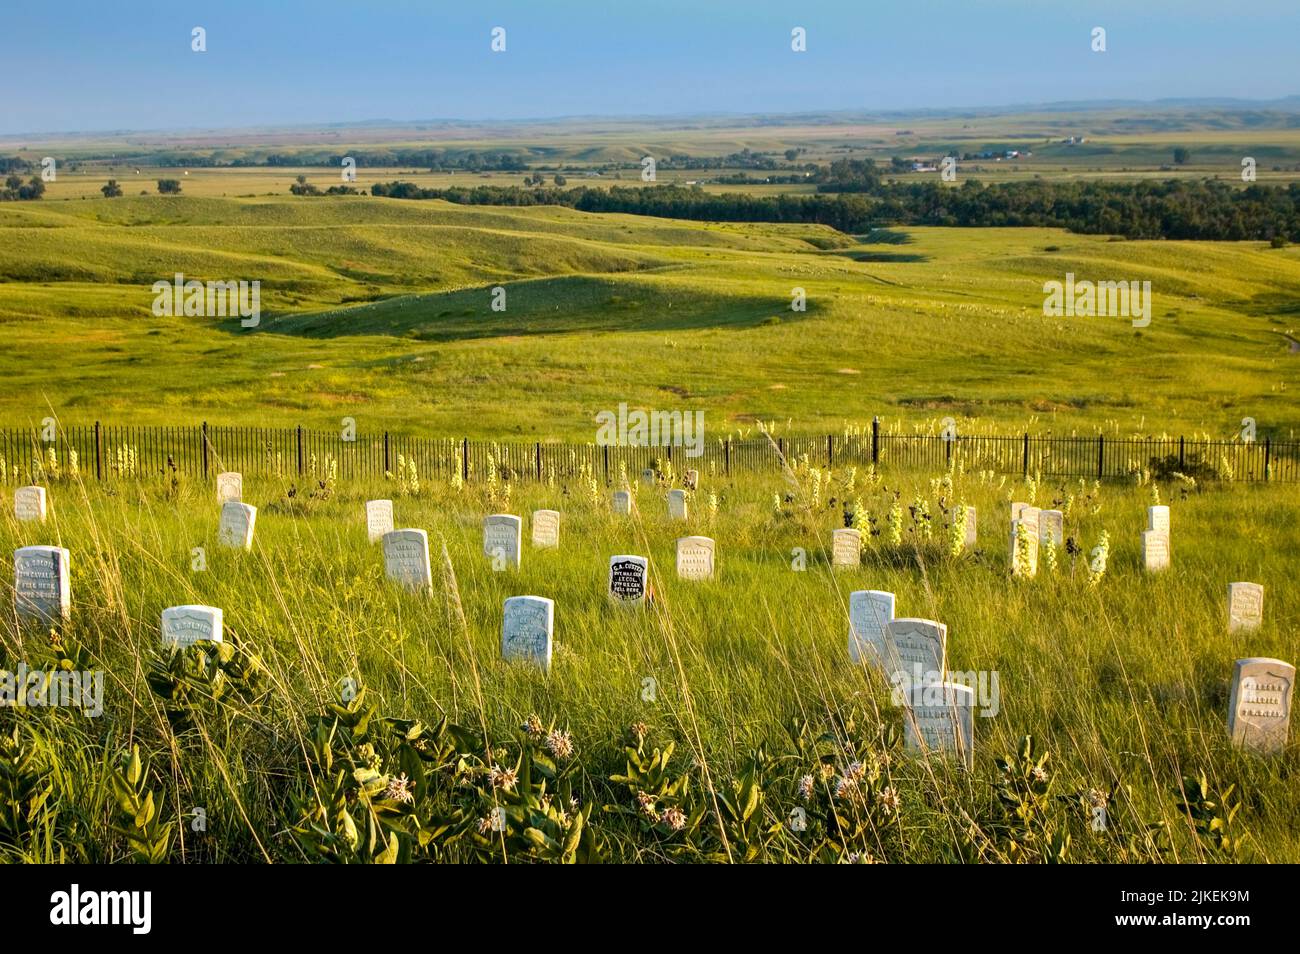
81, 66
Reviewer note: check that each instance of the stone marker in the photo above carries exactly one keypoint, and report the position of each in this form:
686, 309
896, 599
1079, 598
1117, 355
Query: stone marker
527, 630
972, 525
1019, 528
691, 480
230, 486
648, 477
503, 538
1245, 606
846, 547
870, 611
186, 625
1016, 507
695, 558
940, 718
546, 528
379, 519
676, 505
1158, 519
406, 558
915, 647
1051, 527
1031, 517
622, 501
1155, 550
237, 520
1259, 712
42, 586
29, 504
629, 579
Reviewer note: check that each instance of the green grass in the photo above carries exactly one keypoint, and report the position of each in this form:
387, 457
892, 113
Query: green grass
1125, 684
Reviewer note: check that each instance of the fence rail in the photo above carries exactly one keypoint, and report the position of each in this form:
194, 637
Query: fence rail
108, 452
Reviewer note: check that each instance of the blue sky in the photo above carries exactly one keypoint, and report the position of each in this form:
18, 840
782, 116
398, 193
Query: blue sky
82, 66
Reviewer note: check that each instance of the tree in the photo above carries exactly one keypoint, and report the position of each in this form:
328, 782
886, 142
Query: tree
169, 186
561, 181
791, 155
1181, 155
111, 189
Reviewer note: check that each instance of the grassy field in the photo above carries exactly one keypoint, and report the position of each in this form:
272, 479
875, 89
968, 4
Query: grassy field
381, 310
1123, 682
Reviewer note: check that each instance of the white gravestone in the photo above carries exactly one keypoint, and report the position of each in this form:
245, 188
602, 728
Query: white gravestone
42, 586
1051, 527
1245, 606
695, 558
940, 718
1155, 550
237, 521
1158, 519
1016, 508
502, 539
1030, 517
629, 580
870, 611
622, 501
546, 528
676, 505
846, 547
1259, 712
691, 480
527, 630
972, 526
915, 648
29, 504
186, 625
1023, 534
648, 477
379, 519
406, 558
230, 486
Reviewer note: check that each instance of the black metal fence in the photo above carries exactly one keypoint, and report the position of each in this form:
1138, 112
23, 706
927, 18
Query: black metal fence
107, 452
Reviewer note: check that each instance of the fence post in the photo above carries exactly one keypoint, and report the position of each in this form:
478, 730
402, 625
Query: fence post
947, 453
1026, 455
99, 473
1268, 455
1181, 459
539, 462
1101, 452
387, 467
299, 450
726, 458
464, 459
830, 450
606, 450
205, 450
780, 447
875, 440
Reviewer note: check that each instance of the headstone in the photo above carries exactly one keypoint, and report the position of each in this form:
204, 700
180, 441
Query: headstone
695, 558
237, 520
1031, 517
546, 528
503, 538
1016, 508
870, 611
186, 625
527, 630
916, 648
230, 486
1029, 533
1158, 519
29, 504
1155, 550
1259, 711
648, 477
940, 718
1051, 527
379, 519
1245, 606
42, 586
691, 480
406, 558
846, 547
972, 523
622, 501
676, 505
629, 579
